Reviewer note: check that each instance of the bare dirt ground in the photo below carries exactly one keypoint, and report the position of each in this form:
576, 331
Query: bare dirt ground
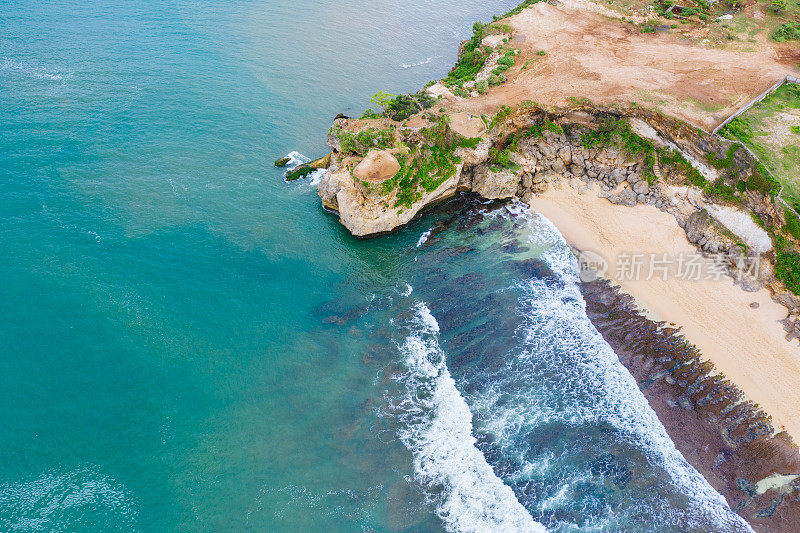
466, 124
591, 55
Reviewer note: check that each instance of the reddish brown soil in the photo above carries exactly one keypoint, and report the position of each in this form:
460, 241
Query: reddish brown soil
590, 55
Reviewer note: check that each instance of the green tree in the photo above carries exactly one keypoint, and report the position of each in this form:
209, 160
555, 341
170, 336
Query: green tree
382, 98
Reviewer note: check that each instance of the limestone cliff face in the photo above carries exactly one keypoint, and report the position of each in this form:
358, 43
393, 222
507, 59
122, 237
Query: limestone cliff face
522, 154
529, 149
366, 210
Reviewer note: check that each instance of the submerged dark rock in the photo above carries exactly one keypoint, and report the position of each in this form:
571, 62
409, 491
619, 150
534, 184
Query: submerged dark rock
534, 269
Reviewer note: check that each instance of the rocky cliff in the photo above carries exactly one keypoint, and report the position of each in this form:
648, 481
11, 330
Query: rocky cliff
524, 151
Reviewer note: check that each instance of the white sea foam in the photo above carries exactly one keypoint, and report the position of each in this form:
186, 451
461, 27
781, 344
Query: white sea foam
438, 431
49, 502
423, 238
38, 72
412, 65
295, 160
554, 324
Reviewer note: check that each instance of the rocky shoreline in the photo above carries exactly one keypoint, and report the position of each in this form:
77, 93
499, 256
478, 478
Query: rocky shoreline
383, 173
660, 161
724, 436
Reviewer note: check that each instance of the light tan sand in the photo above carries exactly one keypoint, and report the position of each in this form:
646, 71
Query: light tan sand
746, 344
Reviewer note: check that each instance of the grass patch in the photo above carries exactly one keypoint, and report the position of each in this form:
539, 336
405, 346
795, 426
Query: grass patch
361, 142
427, 164
792, 226
789, 31
787, 264
763, 129
617, 132
726, 162
670, 158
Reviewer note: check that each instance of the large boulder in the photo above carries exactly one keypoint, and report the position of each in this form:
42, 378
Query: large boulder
495, 184
624, 197
565, 154
377, 166
696, 225
641, 187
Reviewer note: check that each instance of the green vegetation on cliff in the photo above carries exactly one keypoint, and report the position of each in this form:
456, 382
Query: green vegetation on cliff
787, 263
361, 142
618, 132
427, 163
789, 31
471, 60
766, 130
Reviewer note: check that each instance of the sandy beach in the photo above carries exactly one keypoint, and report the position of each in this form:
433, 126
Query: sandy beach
738, 331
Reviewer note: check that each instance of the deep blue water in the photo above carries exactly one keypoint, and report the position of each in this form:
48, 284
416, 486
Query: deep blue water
191, 344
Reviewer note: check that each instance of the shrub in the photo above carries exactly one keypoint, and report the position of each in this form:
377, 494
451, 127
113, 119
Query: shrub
674, 159
777, 6
403, 106
507, 60
787, 264
725, 162
502, 159
472, 58
471, 142
651, 26
721, 191
382, 99
738, 129
541, 53
760, 180
369, 113
501, 115
555, 128
497, 79
792, 226
795, 129
790, 31
482, 86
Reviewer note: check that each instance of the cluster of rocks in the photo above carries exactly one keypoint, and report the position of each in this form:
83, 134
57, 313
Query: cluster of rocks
552, 157
701, 231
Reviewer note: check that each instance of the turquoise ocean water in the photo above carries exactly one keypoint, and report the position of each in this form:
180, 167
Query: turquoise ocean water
191, 344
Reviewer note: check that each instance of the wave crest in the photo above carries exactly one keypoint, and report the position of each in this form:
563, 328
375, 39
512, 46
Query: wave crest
437, 428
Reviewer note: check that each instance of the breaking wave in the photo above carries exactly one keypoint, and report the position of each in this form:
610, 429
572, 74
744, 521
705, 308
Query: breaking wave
295, 160
437, 428
564, 373
412, 65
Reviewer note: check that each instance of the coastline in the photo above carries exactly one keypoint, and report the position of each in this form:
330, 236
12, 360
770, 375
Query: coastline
736, 420
712, 356
736, 343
